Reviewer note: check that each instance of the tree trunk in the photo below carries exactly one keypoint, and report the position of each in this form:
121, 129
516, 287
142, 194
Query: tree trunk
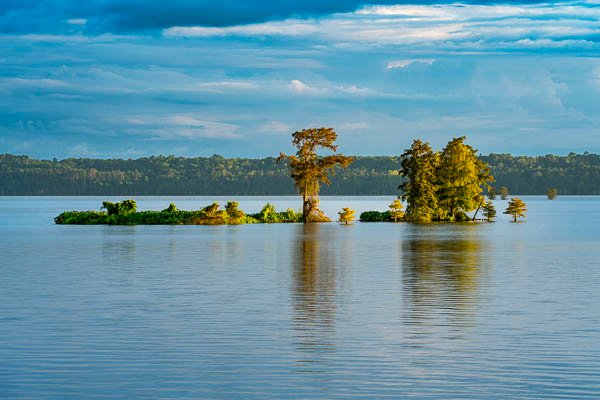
476, 211
305, 208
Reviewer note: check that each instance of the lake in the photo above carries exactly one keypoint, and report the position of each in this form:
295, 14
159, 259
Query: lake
372, 310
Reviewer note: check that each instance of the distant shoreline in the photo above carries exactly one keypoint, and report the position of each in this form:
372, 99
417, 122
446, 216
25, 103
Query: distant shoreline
574, 174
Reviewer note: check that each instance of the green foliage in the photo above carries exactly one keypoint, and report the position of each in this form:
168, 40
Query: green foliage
461, 216
249, 219
516, 208
461, 178
309, 170
81, 217
418, 166
269, 215
491, 193
137, 218
346, 216
489, 211
375, 216
552, 193
172, 208
442, 186
120, 208
235, 215
290, 215
210, 215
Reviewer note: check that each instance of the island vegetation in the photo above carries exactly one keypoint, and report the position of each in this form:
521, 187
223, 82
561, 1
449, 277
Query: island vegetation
438, 186
125, 213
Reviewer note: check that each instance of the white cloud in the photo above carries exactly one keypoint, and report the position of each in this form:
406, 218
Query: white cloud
292, 27
445, 24
222, 86
353, 89
353, 126
406, 63
180, 126
301, 87
31, 83
77, 21
275, 127
82, 150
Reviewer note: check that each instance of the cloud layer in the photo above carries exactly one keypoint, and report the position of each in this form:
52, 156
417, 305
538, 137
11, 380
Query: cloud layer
133, 15
108, 78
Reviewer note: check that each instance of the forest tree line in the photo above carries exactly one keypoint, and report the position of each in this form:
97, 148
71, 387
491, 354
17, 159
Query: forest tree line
216, 175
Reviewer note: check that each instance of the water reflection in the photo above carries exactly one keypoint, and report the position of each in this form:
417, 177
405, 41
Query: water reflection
313, 295
119, 244
440, 277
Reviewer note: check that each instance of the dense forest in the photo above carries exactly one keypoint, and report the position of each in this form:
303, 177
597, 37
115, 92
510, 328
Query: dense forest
216, 175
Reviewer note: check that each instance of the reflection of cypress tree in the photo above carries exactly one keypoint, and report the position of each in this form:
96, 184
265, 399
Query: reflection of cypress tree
440, 275
313, 292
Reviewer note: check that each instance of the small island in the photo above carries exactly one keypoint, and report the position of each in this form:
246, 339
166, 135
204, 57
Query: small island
437, 186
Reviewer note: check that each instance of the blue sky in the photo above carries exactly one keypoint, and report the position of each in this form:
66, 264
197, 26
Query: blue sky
109, 78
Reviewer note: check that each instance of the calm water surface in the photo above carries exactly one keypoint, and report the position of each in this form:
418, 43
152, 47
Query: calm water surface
473, 311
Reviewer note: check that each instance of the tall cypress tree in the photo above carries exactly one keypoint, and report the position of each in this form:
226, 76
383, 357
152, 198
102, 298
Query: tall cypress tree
418, 166
309, 170
461, 178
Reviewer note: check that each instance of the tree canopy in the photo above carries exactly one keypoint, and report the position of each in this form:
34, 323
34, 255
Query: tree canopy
309, 170
516, 208
346, 216
418, 166
442, 186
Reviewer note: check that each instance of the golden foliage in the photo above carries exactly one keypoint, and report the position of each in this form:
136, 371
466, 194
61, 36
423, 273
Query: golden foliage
346, 216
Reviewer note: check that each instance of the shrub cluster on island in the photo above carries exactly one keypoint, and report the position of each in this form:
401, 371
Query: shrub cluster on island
439, 186
125, 213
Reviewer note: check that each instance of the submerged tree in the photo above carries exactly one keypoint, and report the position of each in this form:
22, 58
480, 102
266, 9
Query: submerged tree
504, 192
461, 178
488, 210
419, 165
552, 193
517, 208
309, 170
346, 216
491, 193
396, 210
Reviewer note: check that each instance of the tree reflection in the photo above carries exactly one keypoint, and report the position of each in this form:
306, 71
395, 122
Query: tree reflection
440, 277
313, 294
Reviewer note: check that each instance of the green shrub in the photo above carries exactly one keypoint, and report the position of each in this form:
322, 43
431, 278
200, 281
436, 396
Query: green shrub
81, 218
121, 214
234, 214
171, 209
375, 216
461, 216
120, 208
269, 215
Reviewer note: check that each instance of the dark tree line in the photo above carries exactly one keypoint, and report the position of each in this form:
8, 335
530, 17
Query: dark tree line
216, 175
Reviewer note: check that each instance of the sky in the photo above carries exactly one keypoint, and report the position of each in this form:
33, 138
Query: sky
132, 78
